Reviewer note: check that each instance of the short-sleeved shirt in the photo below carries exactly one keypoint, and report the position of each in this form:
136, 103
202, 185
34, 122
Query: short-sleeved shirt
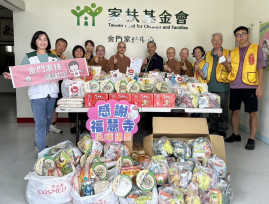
42, 58
238, 83
155, 62
204, 69
214, 85
122, 63
174, 65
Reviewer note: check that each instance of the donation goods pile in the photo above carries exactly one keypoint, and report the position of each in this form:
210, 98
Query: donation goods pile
153, 90
180, 172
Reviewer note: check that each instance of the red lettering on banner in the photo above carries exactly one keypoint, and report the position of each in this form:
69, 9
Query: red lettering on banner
118, 137
99, 137
127, 136
100, 202
52, 191
109, 137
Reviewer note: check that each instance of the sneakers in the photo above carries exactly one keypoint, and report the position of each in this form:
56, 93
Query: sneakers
73, 130
250, 145
36, 149
211, 131
222, 133
233, 138
54, 129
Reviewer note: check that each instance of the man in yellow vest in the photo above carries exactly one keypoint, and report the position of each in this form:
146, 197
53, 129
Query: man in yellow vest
245, 64
218, 83
60, 47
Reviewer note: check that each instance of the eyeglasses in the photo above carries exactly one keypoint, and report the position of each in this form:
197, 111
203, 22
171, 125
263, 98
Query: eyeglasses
240, 35
170, 53
100, 51
122, 47
215, 40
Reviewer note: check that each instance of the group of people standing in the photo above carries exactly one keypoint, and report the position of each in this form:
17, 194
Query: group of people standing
238, 72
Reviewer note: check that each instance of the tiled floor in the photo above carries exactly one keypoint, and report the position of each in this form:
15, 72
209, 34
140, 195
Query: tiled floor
249, 169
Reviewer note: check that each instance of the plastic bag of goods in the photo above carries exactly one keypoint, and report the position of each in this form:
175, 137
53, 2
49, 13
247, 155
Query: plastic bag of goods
65, 87
138, 196
180, 174
70, 149
159, 167
162, 146
162, 87
202, 179
209, 100
147, 84
192, 198
191, 80
112, 151
184, 78
181, 89
194, 163
205, 178
182, 150
201, 148
96, 171
131, 171
152, 74
124, 162
188, 100
174, 78
89, 146
58, 165
216, 163
49, 189
213, 196
170, 194
77, 89
197, 88
115, 75
99, 192
225, 187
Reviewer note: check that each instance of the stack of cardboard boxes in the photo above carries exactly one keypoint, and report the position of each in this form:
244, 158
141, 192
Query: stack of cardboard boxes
139, 99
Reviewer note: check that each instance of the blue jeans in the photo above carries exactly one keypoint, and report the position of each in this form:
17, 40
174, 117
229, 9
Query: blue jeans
43, 109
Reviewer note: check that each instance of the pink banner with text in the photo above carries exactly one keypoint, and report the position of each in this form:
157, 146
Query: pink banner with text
113, 121
33, 74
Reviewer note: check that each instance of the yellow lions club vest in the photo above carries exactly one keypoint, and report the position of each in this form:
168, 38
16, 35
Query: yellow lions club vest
221, 71
196, 74
250, 71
